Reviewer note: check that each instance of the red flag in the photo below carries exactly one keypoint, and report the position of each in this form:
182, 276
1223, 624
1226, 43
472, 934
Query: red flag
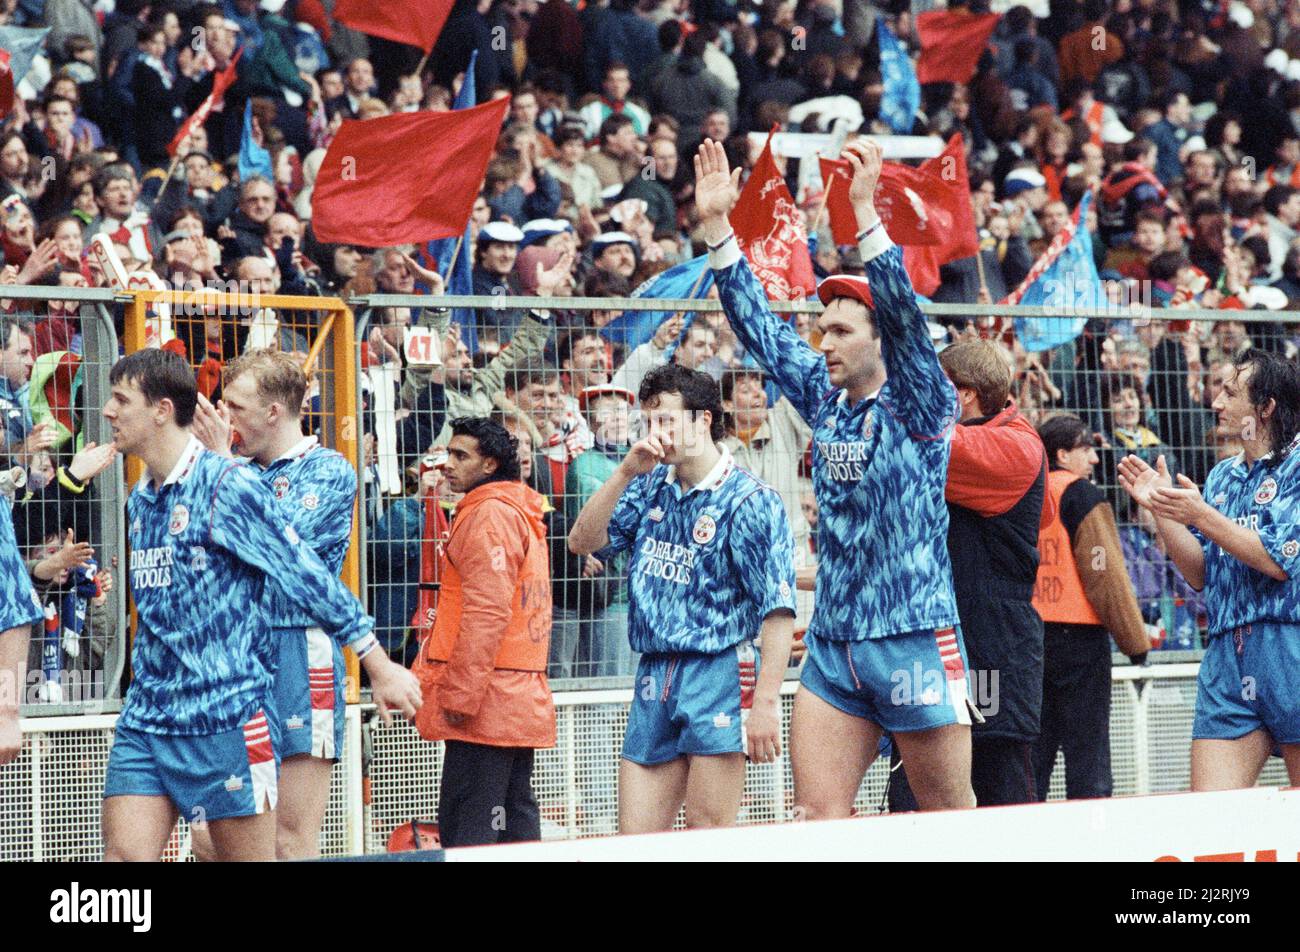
951, 44
414, 22
406, 178
912, 204
6, 84
220, 83
922, 262
771, 232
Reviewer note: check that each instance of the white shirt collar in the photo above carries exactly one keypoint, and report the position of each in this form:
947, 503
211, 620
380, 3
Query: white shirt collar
298, 449
185, 464
713, 479
843, 398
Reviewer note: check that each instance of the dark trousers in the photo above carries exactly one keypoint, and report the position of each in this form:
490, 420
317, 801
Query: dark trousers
487, 795
1076, 710
1001, 772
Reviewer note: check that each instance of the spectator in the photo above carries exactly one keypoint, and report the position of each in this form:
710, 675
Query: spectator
613, 101
1168, 135
579, 178
16, 361
688, 91
608, 411
1282, 210
497, 248
156, 90
483, 669
1128, 190
358, 85
614, 253
1029, 86
618, 156
1085, 52
1084, 597
654, 186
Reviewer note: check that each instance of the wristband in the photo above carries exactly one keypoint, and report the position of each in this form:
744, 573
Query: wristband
862, 235
364, 645
730, 235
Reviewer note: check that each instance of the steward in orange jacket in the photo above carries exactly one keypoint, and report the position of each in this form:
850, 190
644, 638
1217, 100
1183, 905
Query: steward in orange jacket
483, 667
486, 657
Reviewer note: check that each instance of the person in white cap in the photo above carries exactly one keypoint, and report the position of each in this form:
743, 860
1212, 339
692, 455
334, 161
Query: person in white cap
882, 413
614, 252
494, 263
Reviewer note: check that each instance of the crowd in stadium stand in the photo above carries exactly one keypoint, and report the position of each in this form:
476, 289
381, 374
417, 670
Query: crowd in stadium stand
1183, 119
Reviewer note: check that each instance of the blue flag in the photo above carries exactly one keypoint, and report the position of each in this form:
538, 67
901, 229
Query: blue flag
634, 328
1064, 278
253, 159
22, 45
902, 96
459, 276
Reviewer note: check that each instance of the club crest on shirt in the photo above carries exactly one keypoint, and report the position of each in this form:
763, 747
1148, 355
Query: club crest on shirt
867, 422
281, 486
1266, 492
1290, 549
705, 529
180, 519
310, 501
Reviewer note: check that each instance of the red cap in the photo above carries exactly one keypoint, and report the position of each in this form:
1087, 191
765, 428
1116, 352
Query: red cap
605, 390
845, 285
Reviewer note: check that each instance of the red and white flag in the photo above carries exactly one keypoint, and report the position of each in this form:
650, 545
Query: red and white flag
912, 204
770, 231
220, 83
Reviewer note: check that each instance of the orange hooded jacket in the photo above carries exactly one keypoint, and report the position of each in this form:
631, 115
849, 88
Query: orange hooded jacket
486, 656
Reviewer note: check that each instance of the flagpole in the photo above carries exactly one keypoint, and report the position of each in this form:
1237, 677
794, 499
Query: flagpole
455, 254
171, 170
826, 194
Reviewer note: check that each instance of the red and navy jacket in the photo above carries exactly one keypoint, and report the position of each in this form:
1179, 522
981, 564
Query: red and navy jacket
997, 502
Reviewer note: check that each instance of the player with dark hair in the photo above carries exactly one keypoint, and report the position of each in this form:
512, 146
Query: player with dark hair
882, 414
711, 565
1240, 542
198, 733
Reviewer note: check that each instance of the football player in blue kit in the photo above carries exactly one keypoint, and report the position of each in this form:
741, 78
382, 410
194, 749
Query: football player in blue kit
316, 488
198, 734
1239, 542
711, 566
882, 413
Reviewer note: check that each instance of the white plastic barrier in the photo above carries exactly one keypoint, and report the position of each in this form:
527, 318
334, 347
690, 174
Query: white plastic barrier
1245, 825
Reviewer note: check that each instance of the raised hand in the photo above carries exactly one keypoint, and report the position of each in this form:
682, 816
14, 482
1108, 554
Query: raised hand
92, 460
669, 331
644, 456
553, 280
1182, 503
717, 187
1140, 481
212, 426
866, 158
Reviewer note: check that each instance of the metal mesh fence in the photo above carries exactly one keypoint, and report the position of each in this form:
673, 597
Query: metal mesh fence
50, 797
1141, 383
65, 490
